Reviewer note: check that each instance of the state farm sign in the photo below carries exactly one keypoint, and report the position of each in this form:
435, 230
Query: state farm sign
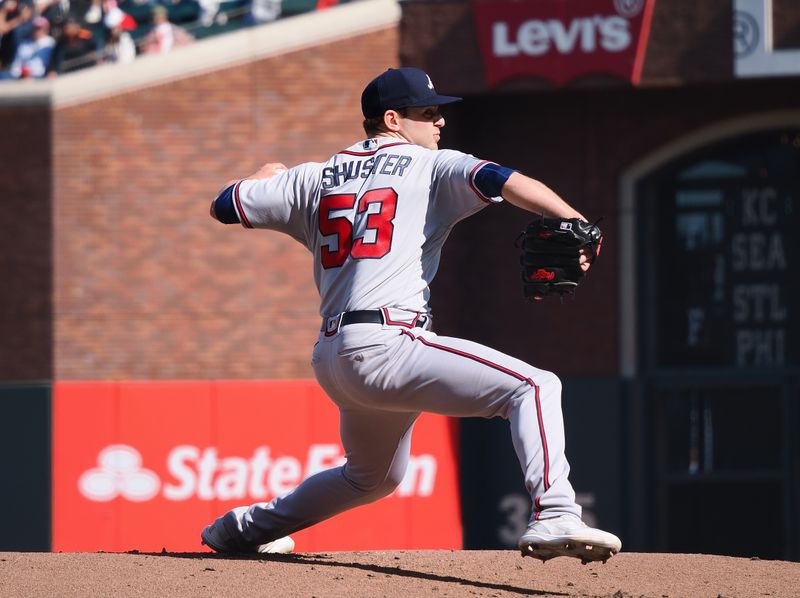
195, 473
562, 40
146, 465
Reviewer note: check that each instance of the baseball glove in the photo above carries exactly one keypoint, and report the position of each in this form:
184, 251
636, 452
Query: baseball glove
551, 252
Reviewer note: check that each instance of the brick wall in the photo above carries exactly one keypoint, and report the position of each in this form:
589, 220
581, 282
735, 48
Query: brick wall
25, 244
146, 285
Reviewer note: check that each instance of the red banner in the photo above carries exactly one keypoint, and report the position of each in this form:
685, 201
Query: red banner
146, 465
562, 40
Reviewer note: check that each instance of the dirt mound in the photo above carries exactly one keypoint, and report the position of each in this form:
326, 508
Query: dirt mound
402, 573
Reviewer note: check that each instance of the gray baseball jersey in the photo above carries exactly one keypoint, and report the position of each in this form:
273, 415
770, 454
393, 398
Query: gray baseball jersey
375, 217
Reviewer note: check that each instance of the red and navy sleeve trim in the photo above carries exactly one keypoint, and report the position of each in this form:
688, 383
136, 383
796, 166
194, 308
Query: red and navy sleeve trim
487, 179
238, 203
223, 207
471, 179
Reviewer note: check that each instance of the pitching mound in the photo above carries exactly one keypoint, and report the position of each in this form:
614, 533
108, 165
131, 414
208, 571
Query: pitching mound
408, 574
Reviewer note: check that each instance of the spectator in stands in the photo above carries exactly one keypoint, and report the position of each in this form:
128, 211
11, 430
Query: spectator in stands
94, 14
98, 10
33, 54
13, 15
161, 36
119, 47
75, 49
55, 11
263, 11
209, 9
165, 35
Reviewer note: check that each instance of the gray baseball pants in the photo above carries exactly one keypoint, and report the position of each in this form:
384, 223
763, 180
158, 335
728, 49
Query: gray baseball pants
382, 377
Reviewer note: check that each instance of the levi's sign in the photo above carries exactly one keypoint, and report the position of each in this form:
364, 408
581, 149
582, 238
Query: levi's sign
562, 40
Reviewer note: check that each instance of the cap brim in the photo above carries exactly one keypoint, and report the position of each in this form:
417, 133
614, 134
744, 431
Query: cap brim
436, 100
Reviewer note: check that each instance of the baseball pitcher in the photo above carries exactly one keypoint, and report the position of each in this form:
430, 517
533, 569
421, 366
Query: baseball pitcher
375, 217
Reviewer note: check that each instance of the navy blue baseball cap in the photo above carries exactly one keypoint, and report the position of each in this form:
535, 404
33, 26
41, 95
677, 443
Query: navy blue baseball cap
404, 87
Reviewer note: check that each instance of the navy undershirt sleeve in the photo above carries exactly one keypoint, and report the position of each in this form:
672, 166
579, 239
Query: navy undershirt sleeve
490, 179
223, 207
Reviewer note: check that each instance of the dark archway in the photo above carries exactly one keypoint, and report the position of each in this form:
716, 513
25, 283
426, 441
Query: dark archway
718, 344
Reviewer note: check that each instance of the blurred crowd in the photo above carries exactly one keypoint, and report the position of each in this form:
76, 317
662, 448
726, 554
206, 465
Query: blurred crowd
45, 38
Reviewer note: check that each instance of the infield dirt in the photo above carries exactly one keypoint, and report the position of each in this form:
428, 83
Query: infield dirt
403, 573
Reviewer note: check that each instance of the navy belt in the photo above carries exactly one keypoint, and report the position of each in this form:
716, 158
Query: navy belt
367, 316
371, 316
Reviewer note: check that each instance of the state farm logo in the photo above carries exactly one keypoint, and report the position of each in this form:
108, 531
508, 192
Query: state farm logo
119, 472
192, 472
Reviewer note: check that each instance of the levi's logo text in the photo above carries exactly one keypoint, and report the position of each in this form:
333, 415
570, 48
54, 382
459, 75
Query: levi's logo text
537, 37
562, 40
388, 164
193, 472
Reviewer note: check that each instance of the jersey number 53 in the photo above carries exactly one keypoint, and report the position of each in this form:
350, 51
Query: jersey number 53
379, 221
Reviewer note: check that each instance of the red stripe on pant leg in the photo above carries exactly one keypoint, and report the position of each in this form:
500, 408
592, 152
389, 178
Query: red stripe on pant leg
546, 480
544, 440
518, 377
491, 364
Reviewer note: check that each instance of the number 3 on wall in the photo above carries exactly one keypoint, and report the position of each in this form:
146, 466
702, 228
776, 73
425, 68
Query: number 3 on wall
340, 226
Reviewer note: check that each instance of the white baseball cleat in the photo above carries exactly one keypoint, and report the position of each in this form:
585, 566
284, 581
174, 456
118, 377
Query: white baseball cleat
567, 535
215, 537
